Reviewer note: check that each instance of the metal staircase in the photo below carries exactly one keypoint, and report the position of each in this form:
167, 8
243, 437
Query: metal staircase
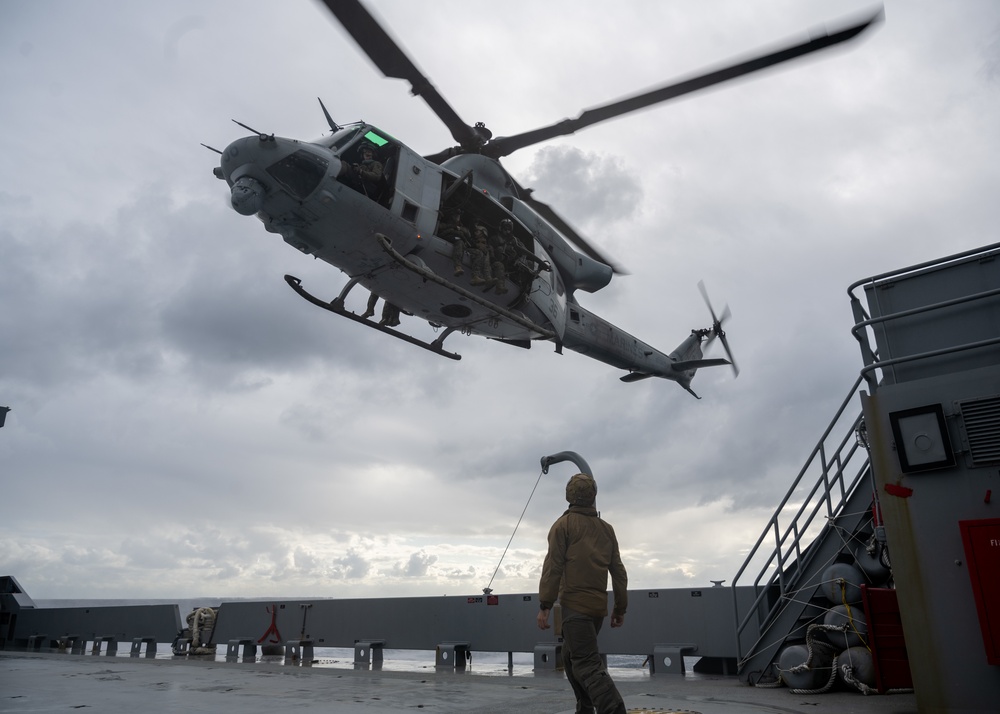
930, 319
824, 518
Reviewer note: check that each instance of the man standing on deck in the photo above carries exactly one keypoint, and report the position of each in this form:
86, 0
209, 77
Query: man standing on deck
583, 550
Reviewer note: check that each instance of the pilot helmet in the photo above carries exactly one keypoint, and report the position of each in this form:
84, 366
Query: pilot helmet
506, 226
367, 146
581, 490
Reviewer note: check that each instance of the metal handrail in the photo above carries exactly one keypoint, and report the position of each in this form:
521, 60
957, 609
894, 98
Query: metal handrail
787, 542
899, 272
933, 353
863, 320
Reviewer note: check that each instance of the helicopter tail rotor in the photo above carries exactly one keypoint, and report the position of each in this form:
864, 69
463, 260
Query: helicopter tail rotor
716, 329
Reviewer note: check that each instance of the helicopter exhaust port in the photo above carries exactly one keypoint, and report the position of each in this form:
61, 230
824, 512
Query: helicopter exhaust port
248, 196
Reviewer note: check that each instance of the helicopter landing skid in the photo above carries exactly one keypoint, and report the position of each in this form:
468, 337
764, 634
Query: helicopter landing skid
337, 306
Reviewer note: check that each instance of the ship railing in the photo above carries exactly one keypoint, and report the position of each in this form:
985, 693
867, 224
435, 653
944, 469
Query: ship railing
779, 550
863, 329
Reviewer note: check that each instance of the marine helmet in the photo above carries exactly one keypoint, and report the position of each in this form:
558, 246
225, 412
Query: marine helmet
581, 490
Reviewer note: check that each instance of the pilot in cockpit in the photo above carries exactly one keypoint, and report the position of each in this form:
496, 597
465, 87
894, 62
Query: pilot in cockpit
368, 171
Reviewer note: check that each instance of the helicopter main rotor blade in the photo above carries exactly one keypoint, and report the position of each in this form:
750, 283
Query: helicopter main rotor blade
505, 145
389, 57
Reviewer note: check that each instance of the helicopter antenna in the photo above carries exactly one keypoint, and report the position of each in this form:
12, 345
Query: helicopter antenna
334, 127
211, 148
261, 134
487, 590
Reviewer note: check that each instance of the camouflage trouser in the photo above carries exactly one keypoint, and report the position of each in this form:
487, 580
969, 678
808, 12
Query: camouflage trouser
500, 276
390, 315
480, 262
591, 682
457, 253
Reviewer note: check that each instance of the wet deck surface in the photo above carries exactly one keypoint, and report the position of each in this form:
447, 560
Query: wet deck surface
52, 681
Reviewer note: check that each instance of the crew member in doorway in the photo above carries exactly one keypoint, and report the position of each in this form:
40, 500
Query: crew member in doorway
453, 230
511, 259
479, 257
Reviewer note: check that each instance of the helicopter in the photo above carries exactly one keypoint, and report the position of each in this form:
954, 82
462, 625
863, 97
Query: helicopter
452, 238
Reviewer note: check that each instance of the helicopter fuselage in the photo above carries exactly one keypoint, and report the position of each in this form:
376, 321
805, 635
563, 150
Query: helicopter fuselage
384, 234
506, 267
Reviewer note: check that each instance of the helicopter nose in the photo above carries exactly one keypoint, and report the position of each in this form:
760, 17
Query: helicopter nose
248, 196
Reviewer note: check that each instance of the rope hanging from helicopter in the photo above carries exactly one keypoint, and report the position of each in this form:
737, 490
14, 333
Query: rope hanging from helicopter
487, 590
386, 245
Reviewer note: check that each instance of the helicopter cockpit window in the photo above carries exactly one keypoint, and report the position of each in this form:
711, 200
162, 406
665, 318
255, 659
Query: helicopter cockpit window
376, 139
369, 165
300, 172
350, 147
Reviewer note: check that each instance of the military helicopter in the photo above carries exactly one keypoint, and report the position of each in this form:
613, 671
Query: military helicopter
452, 238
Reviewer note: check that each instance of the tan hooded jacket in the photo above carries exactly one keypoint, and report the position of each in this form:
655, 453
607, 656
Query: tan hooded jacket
583, 550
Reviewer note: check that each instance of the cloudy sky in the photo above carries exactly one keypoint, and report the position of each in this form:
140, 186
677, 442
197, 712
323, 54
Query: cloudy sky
184, 425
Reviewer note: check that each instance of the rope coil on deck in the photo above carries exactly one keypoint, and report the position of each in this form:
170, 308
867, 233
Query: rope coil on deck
202, 624
817, 647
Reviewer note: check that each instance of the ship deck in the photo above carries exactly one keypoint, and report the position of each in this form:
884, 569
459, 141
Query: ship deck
55, 681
